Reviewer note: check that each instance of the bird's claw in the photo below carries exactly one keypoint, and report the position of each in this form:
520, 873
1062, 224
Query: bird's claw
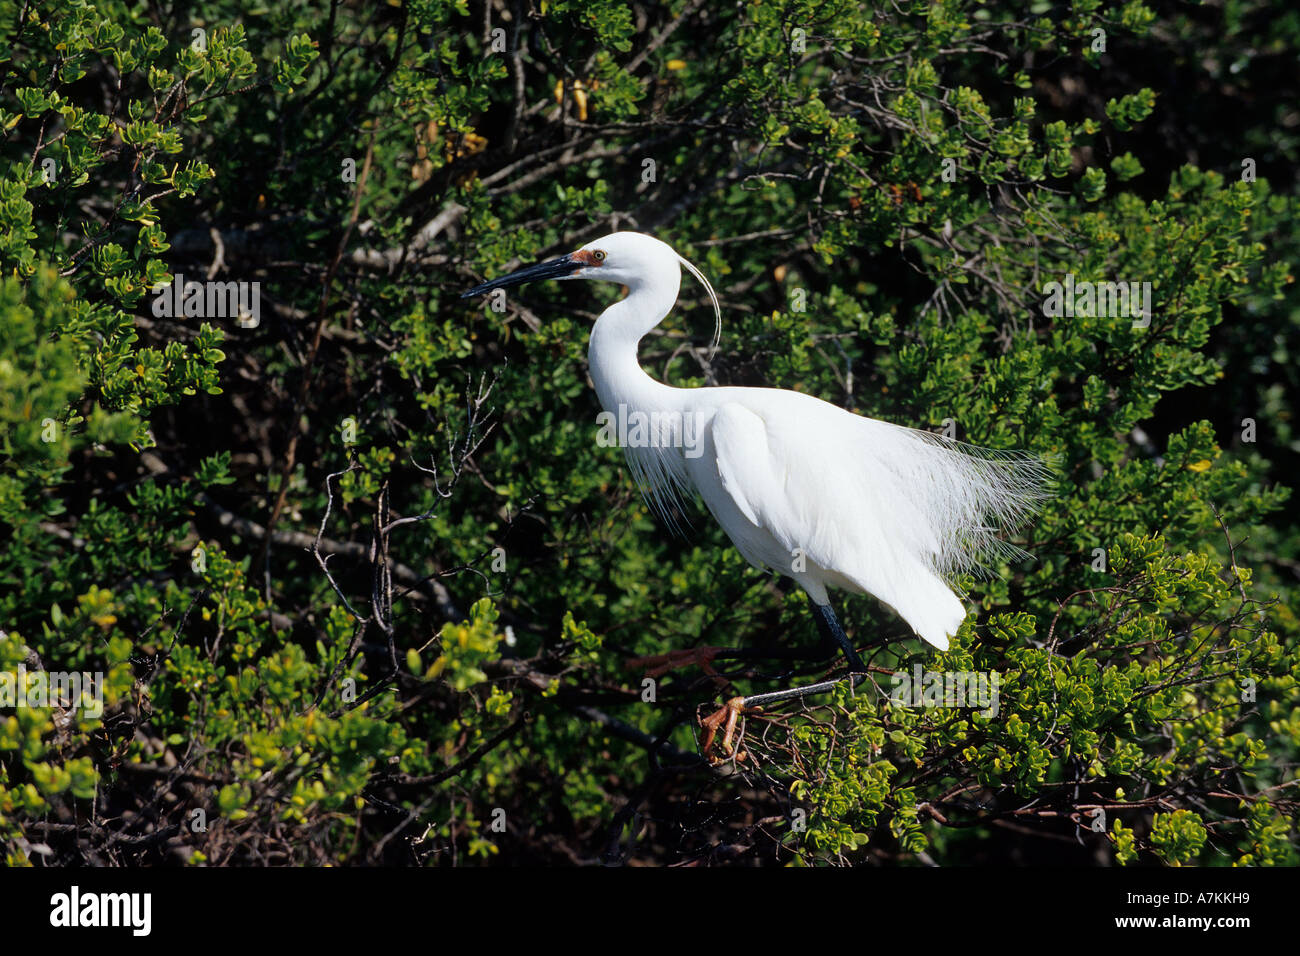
726, 717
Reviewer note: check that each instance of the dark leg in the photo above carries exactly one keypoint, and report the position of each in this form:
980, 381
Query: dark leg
830, 629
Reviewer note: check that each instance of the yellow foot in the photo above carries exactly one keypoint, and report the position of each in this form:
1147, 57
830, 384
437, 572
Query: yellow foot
725, 717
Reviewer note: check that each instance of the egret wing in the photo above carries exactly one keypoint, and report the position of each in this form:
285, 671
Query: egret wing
871, 506
789, 478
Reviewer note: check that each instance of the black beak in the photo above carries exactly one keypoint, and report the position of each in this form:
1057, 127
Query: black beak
554, 269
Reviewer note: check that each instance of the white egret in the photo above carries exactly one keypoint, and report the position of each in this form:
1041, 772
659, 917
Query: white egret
800, 486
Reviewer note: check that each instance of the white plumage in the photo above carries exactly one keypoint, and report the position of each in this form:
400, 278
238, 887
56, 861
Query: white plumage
800, 486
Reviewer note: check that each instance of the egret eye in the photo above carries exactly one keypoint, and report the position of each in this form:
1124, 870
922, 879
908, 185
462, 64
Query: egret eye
599, 256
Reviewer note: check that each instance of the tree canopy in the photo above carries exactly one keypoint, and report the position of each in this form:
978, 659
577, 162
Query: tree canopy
360, 585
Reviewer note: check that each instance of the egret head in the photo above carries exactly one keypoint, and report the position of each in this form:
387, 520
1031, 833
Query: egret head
628, 258
632, 259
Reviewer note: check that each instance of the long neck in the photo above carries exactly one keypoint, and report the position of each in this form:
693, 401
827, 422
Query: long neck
612, 349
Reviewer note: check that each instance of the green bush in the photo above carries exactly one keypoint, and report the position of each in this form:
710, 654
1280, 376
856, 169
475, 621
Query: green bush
359, 584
